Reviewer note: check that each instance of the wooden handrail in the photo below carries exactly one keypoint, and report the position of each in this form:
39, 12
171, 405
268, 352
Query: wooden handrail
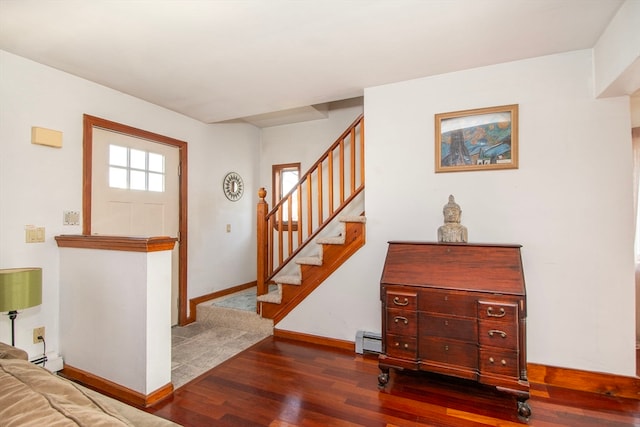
316, 195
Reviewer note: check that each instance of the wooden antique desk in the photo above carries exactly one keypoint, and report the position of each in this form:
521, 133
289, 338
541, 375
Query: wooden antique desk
456, 309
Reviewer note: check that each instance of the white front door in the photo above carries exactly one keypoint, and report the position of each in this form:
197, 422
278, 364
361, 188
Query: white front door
135, 192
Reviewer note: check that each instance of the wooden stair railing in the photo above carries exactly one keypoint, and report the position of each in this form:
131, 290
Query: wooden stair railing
333, 181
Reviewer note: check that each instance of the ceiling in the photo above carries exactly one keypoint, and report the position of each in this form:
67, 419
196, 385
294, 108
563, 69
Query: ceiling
221, 60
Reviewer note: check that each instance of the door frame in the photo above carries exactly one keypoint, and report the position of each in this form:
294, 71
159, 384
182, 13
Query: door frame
89, 122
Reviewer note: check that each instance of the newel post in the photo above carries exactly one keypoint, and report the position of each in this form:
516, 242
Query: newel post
263, 241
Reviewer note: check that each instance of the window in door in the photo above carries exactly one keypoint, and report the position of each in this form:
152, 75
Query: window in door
285, 177
133, 169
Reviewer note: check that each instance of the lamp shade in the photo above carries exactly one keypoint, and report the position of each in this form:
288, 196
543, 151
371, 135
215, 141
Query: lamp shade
20, 288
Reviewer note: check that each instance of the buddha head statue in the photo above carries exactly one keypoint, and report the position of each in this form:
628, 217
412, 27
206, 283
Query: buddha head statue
451, 211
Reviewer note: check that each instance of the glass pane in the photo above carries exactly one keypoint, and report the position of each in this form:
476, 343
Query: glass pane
138, 159
156, 162
289, 179
117, 178
294, 204
138, 180
117, 155
156, 182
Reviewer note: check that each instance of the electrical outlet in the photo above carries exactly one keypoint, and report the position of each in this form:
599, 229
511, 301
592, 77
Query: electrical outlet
38, 332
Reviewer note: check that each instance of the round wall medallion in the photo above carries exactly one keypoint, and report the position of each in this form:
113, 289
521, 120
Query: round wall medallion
233, 186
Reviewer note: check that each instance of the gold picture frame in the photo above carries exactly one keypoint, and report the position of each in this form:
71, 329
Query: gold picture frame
478, 139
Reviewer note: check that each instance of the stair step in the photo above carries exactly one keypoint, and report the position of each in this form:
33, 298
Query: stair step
309, 260
353, 218
288, 279
340, 239
335, 240
274, 297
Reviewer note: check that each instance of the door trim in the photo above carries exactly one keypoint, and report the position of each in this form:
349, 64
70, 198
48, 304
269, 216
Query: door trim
89, 122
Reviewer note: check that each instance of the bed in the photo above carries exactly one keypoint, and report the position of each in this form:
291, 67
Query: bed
32, 396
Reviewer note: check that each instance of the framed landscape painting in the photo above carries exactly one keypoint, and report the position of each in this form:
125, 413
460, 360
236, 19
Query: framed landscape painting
479, 139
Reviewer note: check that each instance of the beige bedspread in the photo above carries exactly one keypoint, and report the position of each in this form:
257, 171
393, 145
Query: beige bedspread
32, 396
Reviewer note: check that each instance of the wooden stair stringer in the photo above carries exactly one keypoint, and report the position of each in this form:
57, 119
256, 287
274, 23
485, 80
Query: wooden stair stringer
313, 275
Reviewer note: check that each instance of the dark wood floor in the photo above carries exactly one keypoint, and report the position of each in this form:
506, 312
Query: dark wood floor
279, 382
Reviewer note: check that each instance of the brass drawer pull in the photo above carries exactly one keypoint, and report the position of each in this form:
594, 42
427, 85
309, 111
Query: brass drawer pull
396, 301
496, 331
405, 345
503, 362
400, 318
501, 313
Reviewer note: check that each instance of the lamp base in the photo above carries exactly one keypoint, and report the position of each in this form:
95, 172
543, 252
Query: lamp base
12, 315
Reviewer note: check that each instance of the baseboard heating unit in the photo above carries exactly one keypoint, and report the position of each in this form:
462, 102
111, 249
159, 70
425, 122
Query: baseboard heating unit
368, 342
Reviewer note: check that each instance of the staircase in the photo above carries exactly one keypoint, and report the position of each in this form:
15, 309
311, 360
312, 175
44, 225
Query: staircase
330, 227
312, 270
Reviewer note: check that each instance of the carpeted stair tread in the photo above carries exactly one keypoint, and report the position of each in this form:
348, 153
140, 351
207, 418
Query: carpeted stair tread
340, 239
353, 218
335, 240
288, 279
274, 297
309, 260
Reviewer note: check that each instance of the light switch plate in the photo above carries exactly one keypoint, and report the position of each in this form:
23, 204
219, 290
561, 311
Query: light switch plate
34, 234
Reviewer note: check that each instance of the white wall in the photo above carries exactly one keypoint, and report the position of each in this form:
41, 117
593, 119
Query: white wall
617, 53
217, 259
38, 183
568, 204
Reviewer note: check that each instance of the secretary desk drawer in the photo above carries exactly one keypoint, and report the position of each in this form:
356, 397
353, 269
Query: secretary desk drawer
494, 361
404, 300
401, 346
497, 311
402, 322
449, 351
448, 302
458, 328
498, 334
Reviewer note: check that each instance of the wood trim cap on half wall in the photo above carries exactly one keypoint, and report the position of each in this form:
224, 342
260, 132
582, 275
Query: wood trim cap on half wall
117, 243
